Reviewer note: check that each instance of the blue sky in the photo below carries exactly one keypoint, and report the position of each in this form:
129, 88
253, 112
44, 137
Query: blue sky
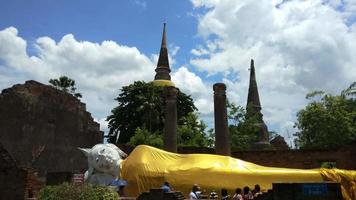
298, 46
133, 23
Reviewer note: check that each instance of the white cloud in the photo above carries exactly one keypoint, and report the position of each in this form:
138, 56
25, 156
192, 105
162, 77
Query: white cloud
174, 50
199, 52
99, 70
298, 46
188, 81
206, 3
103, 124
140, 3
193, 85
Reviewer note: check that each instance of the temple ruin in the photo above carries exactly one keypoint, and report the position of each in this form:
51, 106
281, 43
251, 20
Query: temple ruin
41, 127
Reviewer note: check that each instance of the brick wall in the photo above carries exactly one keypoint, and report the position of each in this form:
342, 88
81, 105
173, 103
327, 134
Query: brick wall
33, 184
12, 184
345, 157
33, 115
16, 181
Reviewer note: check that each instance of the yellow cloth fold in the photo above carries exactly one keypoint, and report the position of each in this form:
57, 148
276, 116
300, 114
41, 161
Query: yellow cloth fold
347, 178
148, 167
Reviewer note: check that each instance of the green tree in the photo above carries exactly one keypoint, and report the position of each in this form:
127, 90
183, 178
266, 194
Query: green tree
192, 132
78, 192
140, 105
328, 121
65, 84
242, 127
143, 136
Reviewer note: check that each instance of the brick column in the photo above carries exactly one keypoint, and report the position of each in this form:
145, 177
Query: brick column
222, 144
170, 124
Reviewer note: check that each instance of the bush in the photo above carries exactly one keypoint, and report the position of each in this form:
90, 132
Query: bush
143, 136
68, 191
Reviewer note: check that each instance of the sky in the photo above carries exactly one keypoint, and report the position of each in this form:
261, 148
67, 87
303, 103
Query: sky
298, 46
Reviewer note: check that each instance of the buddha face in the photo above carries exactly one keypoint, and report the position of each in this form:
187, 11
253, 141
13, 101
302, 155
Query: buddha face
104, 157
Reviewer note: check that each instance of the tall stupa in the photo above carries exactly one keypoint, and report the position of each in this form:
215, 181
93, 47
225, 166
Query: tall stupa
162, 77
254, 108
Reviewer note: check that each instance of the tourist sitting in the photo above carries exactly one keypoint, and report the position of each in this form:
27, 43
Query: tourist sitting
213, 195
166, 187
120, 184
257, 191
224, 194
195, 193
237, 195
247, 193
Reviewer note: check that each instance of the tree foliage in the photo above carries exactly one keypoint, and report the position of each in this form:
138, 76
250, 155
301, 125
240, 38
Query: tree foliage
141, 105
143, 136
193, 132
67, 191
242, 127
65, 84
328, 121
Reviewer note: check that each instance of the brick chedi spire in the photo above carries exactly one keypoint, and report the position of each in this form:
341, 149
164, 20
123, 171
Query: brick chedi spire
253, 99
254, 109
162, 77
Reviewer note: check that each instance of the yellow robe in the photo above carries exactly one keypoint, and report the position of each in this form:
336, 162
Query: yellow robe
148, 167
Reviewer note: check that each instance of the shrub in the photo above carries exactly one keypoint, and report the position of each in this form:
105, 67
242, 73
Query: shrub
68, 191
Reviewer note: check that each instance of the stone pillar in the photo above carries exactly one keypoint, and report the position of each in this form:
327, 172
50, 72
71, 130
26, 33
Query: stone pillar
222, 144
170, 124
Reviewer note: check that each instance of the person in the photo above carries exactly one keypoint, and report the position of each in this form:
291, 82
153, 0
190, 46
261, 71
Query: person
257, 190
213, 195
224, 194
121, 191
247, 193
237, 195
195, 193
120, 184
166, 187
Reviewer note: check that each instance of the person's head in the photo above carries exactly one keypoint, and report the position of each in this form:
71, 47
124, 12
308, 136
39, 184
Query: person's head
213, 195
166, 187
257, 188
238, 191
121, 191
224, 192
246, 190
195, 188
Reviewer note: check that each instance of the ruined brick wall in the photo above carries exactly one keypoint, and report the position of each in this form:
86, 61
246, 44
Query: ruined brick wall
12, 177
345, 158
13, 184
34, 114
17, 182
33, 184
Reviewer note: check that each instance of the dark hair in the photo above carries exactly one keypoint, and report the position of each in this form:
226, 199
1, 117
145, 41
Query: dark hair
224, 192
166, 183
246, 189
238, 191
257, 188
195, 188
